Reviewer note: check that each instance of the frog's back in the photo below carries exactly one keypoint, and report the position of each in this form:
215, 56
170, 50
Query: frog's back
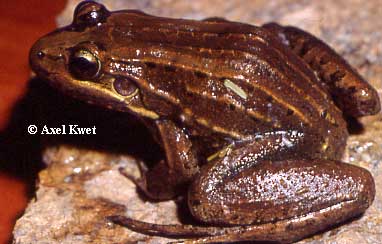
232, 76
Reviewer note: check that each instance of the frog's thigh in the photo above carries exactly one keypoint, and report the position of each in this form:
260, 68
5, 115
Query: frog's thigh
352, 93
217, 180
260, 187
169, 176
283, 200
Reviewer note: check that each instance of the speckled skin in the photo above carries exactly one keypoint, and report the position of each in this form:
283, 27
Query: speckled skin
249, 117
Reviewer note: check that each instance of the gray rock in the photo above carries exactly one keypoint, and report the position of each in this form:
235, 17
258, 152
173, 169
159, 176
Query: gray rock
80, 187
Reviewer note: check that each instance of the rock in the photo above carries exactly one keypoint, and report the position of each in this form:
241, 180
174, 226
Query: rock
77, 191
81, 187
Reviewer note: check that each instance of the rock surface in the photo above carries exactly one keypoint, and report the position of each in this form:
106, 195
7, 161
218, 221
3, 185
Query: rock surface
80, 186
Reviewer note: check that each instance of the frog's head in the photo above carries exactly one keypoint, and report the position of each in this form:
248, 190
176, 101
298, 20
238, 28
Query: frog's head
77, 60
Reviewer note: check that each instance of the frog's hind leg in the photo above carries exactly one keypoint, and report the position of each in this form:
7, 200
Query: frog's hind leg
295, 199
285, 231
271, 181
253, 192
299, 197
355, 96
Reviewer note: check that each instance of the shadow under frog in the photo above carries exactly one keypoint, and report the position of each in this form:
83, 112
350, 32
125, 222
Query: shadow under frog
251, 119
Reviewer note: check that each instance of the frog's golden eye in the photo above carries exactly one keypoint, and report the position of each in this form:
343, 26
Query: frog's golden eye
89, 13
84, 65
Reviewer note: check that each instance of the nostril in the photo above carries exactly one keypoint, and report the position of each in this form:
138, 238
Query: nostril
40, 54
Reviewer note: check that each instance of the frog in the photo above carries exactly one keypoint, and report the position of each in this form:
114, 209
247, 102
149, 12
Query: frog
252, 120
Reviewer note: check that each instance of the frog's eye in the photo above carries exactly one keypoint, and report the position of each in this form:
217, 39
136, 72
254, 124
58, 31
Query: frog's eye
125, 86
84, 65
89, 13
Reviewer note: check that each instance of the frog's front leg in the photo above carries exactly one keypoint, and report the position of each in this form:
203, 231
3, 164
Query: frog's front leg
355, 96
259, 190
169, 177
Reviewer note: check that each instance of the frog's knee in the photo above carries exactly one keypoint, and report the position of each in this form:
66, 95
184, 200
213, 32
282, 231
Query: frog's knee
361, 102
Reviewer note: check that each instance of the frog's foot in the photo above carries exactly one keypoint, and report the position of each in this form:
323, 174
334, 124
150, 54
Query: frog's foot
284, 231
143, 185
161, 188
139, 182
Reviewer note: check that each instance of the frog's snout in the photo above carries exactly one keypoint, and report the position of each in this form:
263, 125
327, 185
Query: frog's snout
44, 61
38, 60
36, 55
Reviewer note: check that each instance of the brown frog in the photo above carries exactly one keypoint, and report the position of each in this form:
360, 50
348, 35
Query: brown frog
251, 119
